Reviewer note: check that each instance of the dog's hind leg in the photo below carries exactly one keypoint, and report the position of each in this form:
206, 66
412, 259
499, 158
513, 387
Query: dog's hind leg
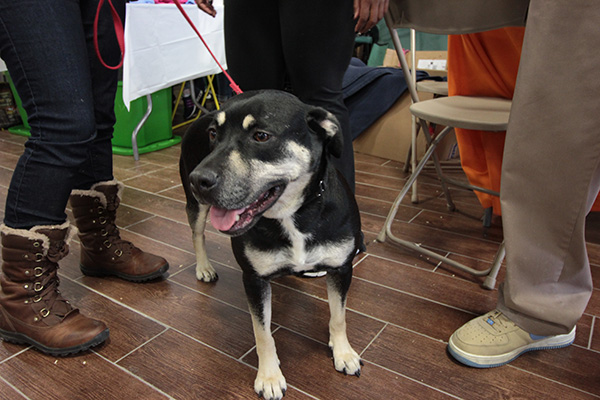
345, 359
204, 270
269, 382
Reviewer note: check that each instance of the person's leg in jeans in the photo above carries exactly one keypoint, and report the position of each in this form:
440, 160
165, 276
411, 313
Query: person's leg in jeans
69, 101
253, 44
318, 40
99, 162
103, 252
48, 62
550, 178
43, 45
308, 43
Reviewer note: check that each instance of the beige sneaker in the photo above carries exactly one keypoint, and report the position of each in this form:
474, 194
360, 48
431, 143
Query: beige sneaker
492, 340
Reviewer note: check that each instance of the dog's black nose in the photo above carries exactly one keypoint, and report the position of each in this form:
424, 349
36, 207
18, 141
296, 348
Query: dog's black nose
203, 180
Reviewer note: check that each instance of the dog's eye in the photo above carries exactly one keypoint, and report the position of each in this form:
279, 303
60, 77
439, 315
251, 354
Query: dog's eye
261, 136
212, 133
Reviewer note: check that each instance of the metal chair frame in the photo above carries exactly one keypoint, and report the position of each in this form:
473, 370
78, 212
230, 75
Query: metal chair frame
498, 121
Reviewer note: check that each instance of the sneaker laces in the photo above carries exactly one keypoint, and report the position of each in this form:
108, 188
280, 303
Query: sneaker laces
498, 321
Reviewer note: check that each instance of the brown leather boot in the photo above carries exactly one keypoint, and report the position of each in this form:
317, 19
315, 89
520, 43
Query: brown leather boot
103, 252
32, 310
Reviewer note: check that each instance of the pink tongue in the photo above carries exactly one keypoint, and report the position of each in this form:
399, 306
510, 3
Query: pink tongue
223, 219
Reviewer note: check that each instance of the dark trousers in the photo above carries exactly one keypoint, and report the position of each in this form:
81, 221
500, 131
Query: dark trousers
304, 46
69, 99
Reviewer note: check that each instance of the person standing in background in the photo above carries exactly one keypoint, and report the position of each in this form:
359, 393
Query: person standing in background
301, 46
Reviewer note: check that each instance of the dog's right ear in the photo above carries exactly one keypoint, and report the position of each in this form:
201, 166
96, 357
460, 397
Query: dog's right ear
326, 125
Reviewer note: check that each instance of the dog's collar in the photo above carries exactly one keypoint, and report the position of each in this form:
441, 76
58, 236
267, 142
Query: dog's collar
321, 188
318, 193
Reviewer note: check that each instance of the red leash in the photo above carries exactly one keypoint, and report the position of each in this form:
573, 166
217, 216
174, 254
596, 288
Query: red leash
118, 30
121, 39
236, 89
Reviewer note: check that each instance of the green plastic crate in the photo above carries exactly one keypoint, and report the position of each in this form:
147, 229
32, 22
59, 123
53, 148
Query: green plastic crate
22, 129
155, 134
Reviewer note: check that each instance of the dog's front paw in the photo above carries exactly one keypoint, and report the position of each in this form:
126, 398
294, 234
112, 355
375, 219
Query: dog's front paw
204, 270
206, 275
271, 386
347, 361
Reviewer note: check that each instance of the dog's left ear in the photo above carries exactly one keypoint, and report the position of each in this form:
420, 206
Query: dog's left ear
326, 125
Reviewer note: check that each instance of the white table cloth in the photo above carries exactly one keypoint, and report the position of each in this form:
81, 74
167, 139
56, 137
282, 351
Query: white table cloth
162, 49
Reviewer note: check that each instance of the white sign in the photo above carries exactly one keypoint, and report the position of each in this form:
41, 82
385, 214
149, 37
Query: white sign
436, 65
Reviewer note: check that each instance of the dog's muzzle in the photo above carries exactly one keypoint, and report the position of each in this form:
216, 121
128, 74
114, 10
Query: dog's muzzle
229, 220
235, 222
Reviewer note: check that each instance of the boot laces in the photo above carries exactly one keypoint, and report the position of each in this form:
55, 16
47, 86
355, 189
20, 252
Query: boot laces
47, 287
114, 238
112, 231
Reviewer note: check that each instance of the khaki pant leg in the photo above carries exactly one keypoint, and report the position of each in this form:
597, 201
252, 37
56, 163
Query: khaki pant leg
551, 174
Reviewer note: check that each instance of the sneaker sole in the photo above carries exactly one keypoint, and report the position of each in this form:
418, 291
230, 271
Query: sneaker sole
478, 361
18, 338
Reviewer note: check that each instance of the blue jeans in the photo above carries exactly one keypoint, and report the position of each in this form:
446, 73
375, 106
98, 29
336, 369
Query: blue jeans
69, 99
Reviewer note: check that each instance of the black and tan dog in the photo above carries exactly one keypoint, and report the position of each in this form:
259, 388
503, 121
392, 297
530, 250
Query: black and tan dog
261, 166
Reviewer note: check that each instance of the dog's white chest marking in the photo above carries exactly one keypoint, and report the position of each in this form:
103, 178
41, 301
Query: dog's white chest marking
297, 256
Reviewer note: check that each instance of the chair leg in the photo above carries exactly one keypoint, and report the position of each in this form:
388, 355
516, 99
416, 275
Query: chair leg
407, 163
487, 217
490, 279
450, 204
386, 230
438, 168
407, 186
414, 131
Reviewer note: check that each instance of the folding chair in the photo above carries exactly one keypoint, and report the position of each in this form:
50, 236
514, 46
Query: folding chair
467, 112
436, 88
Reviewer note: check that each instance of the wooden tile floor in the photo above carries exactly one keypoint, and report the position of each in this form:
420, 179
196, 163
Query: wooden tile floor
182, 339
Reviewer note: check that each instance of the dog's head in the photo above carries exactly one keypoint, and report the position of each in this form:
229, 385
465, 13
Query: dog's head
265, 148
